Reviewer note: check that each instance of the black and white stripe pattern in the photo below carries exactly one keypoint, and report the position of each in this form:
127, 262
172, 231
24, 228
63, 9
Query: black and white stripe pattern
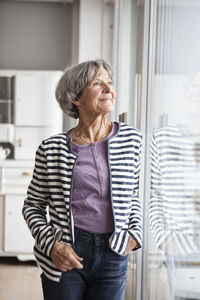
51, 187
173, 204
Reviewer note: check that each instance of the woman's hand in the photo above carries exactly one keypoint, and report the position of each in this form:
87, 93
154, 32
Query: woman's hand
64, 257
132, 244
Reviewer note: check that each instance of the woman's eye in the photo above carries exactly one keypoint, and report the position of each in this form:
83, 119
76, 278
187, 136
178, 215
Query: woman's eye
96, 83
110, 83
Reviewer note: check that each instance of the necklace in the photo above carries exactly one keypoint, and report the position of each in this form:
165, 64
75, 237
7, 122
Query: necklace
85, 140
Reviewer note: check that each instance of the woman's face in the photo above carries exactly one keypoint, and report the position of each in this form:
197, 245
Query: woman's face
98, 96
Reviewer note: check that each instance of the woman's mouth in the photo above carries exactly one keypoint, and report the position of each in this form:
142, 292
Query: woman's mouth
105, 99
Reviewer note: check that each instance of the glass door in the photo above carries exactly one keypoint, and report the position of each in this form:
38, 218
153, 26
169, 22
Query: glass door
130, 57
171, 252
128, 41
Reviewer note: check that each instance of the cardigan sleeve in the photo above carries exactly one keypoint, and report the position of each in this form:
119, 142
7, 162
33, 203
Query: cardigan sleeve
156, 213
135, 220
35, 206
168, 231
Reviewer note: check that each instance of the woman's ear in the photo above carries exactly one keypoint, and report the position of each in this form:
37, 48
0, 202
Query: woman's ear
76, 102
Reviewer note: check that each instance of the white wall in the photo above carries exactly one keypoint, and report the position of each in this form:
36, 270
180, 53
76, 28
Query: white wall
95, 30
35, 35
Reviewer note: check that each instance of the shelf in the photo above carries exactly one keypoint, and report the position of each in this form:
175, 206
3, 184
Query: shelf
6, 100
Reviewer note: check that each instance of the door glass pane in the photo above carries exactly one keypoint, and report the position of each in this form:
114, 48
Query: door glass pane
128, 57
6, 99
173, 135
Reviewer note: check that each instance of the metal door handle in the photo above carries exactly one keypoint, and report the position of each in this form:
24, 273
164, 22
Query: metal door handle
123, 117
26, 173
19, 143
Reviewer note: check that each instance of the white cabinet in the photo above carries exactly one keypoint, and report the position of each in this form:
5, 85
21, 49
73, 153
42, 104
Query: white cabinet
35, 100
17, 237
16, 180
37, 113
35, 116
27, 140
1, 223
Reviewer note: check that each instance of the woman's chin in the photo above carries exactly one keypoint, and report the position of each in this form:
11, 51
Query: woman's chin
105, 112
107, 109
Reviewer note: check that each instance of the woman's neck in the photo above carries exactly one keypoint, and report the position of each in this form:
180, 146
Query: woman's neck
92, 130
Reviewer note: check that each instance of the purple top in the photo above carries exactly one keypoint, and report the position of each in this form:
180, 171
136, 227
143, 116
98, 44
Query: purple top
91, 203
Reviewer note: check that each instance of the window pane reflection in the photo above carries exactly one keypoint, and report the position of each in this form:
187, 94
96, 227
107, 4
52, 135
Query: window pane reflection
174, 94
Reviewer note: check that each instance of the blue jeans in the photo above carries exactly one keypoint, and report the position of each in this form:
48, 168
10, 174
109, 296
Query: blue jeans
103, 276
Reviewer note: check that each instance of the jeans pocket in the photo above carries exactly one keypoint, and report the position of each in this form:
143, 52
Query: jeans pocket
115, 255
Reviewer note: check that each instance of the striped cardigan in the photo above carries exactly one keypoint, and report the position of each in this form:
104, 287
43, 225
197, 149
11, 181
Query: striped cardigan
173, 204
51, 187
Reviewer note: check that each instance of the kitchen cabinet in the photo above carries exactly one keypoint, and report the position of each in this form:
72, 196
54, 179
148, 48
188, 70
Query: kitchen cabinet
27, 140
35, 99
17, 238
6, 99
31, 114
15, 180
1, 223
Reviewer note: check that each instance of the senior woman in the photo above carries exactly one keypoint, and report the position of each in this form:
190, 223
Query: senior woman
88, 179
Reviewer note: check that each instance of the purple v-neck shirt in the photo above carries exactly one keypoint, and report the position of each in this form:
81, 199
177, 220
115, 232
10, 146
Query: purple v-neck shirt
91, 202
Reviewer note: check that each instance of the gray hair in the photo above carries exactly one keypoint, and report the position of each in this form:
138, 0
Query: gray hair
71, 85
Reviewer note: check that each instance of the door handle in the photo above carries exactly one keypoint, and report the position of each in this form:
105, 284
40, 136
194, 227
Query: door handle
19, 143
123, 117
26, 173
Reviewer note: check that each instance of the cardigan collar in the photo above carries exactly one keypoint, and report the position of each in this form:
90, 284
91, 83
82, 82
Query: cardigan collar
68, 132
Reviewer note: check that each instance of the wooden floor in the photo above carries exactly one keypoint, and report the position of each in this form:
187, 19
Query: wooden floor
19, 280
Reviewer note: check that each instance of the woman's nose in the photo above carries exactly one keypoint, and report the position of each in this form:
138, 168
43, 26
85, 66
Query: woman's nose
107, 88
